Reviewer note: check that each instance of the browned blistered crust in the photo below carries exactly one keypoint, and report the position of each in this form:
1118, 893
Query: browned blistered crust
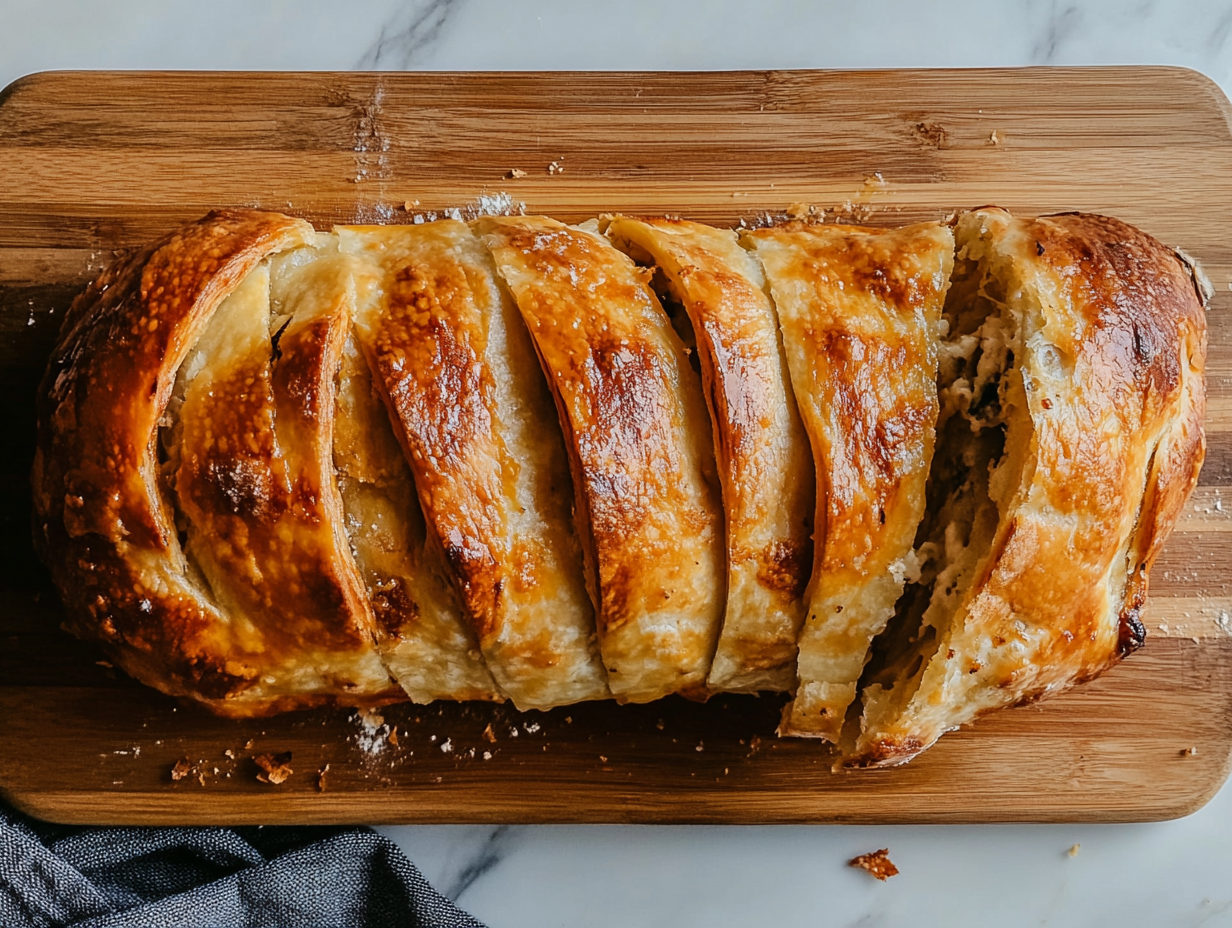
101, 522
638, 436
1113, 368
765, 465
457, 369
859, 310
256, 486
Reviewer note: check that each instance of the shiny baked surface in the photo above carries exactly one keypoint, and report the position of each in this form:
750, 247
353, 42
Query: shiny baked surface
859, 310
759, 442
638, 435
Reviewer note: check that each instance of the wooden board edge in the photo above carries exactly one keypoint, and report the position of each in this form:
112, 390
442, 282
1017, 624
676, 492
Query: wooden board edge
1195, 82
65, 807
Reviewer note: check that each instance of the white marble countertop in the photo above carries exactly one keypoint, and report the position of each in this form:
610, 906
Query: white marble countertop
1174, 873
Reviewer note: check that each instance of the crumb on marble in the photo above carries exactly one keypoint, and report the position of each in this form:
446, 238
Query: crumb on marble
877, 864
1074, 849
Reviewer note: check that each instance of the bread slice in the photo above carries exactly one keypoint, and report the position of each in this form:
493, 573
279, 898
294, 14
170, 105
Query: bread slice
454, 362
418, 625
715, 290
104, 517
859, 310
639, 442
424, 639
256, 489
1071, 403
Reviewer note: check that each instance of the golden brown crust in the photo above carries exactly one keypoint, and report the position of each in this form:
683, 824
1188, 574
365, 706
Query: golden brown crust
1111, 343
427, 644
638, 437
101, 523
859, 309
765, 465
456, 367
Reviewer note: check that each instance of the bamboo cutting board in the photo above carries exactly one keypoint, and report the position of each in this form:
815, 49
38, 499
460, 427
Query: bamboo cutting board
90, 163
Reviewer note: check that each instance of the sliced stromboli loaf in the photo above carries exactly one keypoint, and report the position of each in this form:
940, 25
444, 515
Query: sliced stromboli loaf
225, 504
1073, 392
765, 465
638, 435
366, 486
859, 310
456, 366
103, 519
255, 485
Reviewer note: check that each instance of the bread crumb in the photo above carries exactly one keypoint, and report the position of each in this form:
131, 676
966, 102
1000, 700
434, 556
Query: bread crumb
556, 167
994, 139
700, 747
275, 768
798, 211
659, 725
1190, 752
393, 736
107, 664
410, 205
248, 744
1073, 851
446, 746
515, 173
489, 735
321, 778
754, 744
602, 759
181, 768
877, 863
229, 753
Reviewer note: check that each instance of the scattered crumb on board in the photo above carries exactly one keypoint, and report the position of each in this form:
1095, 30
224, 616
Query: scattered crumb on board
1074, 849
877, 863
373, 733
275, 768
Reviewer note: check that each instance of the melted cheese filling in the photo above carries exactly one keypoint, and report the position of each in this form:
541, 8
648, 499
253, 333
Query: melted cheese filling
983, 433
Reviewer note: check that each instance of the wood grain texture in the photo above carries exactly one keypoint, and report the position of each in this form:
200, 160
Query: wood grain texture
92, 163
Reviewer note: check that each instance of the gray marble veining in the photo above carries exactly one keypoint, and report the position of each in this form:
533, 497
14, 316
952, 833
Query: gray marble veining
413, 30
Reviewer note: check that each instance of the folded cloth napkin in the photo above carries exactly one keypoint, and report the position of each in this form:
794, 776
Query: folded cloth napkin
54, 875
